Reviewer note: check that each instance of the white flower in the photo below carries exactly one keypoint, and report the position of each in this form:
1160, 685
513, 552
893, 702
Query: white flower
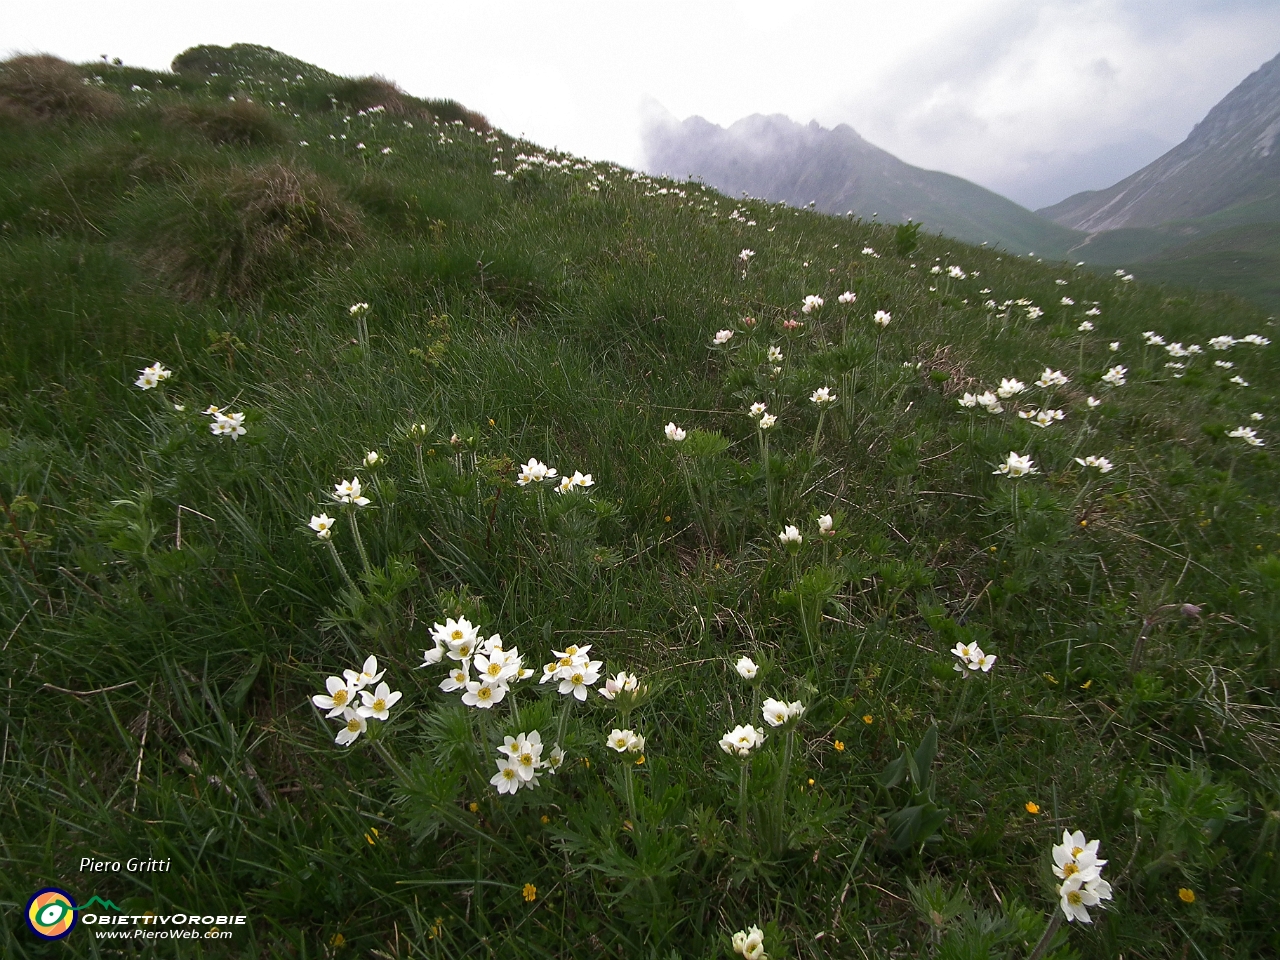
1034, 312
723, 336
482, 694
341, 694
152, 376
457, 679
498, 666
578, 480
372, 458
623, 683
1115, 376
747, 668
555, 759
775, 354
1067, 302
757, 408
955, 273
180, 407
1077, 894
1093, 402
458, 636
790, 535
1113, 346
1152, 339
1042, 418
355, 725
377, 704
741, 740
1093, 312
625, 740
360, 146
368, 673
322, 525
1176, 350
1101, 464
968, 400
847, 297
535, 471
1052, 378
1222, 343
385, 151
1240, 381
869, 252
578, 680
1017, 465
1224, 364
1255, 416
989, 402
1248, 435
822, 395
767, 420
1086, 326
526, 750
358, 309
507, 779
1009, 387
882, 318
674, 433
811, 303
228, 426
981, 661
826, 524
1127, 278
778, 712
746, 255
1061, 283
348, 491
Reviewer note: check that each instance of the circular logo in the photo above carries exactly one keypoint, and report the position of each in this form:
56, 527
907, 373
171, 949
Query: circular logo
51, 913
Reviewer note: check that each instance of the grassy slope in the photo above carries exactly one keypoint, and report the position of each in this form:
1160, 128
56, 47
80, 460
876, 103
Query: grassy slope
540, 318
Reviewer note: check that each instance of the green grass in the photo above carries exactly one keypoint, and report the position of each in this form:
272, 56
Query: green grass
537, 317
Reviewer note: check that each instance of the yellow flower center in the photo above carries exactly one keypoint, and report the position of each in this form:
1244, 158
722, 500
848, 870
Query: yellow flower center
484, 693
379, 705
566, 661
1070, 870
1076, 851
526, 759
340, 698
353, 725
456, 635
1074, 898
465, 650
494, 669
508, 773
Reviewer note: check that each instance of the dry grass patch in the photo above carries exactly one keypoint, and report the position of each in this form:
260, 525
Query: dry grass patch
46, 87
237, 123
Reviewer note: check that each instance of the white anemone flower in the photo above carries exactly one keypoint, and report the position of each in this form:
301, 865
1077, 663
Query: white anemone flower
1086, 326
1016, 465
1077, 894
1093, 402
152, 376
1052, 378
674, 433
1248, 435
989, 402
741, 740
747, 668
341, 695
1114, 346
981, 661
358, 309
372, 458
456, 680
882, 319
1239, 381
722, 337
847, 297
790, 536
1009, 387
757, 408
1067, 302
623, 683
776, 712
231, 425
433, 655
767, 420
535, 471
507, 779
483, 694
811, 303
378, 703
459, 636
355, 725
775, 355
349, 491
826, 526
322, 525
746, 255
1101, 464
579, 679
969, 401
621, 740
368, 673
1115, 376
822, 396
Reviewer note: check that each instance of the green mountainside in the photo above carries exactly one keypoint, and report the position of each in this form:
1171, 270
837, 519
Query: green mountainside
426, 544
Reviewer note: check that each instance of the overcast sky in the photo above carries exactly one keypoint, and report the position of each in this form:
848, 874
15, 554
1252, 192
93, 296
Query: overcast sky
1036, 99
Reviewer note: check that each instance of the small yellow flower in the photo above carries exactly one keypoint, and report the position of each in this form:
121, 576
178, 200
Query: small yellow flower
1050, 677
1084, 523
640, 760
1186, 895
868, 719
993, 548
666, 519
1086, 685
530, 892
811, 781
839, 745
436, 928
491, 421
337, 940
1032, 807
473, 807
545, 818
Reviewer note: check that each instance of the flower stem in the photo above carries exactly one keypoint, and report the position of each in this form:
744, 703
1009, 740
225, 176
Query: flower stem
398, 770
629, 783
342, 569
1043, 946
355, 532
817, 434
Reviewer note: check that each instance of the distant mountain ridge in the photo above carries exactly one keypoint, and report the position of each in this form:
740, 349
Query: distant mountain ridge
778, 159
1231, 160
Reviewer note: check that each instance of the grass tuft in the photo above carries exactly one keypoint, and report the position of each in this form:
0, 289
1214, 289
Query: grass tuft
46, 87
237, 122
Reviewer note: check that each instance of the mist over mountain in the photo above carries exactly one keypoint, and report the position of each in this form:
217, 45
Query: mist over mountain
837, 170
1228, 167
